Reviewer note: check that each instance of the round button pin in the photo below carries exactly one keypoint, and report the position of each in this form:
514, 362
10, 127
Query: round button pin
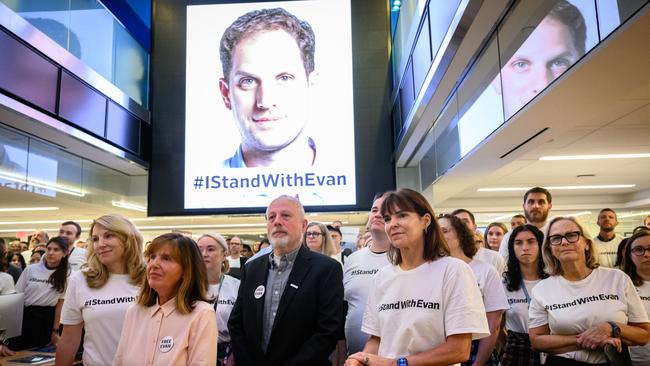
259, 292
166, 344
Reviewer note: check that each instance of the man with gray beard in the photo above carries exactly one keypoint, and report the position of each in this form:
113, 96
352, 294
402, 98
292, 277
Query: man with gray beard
289, 310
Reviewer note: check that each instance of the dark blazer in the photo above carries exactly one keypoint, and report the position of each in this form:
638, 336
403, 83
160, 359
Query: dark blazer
308, 319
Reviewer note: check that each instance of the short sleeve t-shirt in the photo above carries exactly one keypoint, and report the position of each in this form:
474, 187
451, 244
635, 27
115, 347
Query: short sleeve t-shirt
102, 312
414, 311
607, 250
489, 282
492, 258
226, 301
77, 258
34, 283
359, 269
571, 307
641, 354
517, 314
6, 284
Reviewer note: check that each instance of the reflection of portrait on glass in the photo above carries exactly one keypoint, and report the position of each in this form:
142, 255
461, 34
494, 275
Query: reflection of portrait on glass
552, 47
268, 67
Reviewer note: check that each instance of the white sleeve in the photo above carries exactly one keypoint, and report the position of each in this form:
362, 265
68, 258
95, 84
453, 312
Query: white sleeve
464, 310
636, 312
537, 314
346, 277
71, 312
495, 296
6, 284
22, 281
503, 247
370, 323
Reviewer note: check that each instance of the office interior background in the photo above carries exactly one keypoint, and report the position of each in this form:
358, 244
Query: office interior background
76, 121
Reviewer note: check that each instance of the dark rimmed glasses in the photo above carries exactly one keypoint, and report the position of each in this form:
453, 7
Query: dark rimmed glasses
571, 237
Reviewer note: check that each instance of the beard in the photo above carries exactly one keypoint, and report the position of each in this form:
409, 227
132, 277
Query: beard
606, 229
536, 216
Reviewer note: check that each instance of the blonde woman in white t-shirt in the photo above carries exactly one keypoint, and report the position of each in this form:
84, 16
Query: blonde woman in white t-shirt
582, 308
425, 308
100, 293
636, 263
223, 288
462, 246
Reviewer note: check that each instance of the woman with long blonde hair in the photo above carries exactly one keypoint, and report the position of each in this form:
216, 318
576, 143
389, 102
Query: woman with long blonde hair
100, 293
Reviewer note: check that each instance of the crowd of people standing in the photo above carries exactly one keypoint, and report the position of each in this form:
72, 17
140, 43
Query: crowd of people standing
420, 289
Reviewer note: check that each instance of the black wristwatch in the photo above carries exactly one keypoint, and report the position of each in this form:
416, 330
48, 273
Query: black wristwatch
402, 362
616, 330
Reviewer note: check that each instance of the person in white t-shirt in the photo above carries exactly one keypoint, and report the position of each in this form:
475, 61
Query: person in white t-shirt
44, 286
525, 270
426, 305
99, 295
76, 256
7, 286
493, 235
607, 241
582, 307
358, 273
485, 255
636, 264
318, 239
223, 289
462, 246
537, 206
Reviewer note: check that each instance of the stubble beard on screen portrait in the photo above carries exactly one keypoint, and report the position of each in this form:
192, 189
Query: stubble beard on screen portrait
268, 93
546, 54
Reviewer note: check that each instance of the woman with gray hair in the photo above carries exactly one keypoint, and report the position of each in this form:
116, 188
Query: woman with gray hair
223, 288
582, 308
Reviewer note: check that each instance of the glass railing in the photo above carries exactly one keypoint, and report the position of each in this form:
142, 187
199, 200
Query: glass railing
90, 32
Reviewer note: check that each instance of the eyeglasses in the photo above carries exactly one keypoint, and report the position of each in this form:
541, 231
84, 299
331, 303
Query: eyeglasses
313, 234
571, 237
640, 251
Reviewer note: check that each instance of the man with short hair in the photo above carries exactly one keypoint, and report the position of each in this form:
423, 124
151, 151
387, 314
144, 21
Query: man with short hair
483, 254
267, 58
337, 238
72, 232
358, 274
537, 205
289, 310
344, 244
38, 237
607, 240
235, 259
517, 220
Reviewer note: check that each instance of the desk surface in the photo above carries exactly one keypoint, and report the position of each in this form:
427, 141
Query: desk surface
20, 354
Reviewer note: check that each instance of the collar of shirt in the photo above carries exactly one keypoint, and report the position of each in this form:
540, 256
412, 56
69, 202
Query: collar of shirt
290, 258
237, 160
166, 308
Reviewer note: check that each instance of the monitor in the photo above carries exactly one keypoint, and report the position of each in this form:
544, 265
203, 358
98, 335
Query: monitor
11, 315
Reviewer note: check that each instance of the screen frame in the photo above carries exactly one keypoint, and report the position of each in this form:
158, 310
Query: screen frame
374, 167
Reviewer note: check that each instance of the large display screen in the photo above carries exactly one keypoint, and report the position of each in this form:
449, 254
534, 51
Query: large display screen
273, 81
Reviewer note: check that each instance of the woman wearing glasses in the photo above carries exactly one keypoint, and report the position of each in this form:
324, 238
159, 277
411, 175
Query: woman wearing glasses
318, 239
636, 263
582, 307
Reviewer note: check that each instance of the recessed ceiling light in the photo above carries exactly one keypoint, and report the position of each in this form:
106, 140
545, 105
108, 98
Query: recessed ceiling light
12, 209
598, 186
595, 157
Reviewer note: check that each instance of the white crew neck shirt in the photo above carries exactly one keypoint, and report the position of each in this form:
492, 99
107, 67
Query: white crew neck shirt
226, 302
517, 314
607, 250
641, 354
414, 311
34, 283
101, 311
77, 258
358, 273
492, 258
489, 282
571, 307
7, 286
